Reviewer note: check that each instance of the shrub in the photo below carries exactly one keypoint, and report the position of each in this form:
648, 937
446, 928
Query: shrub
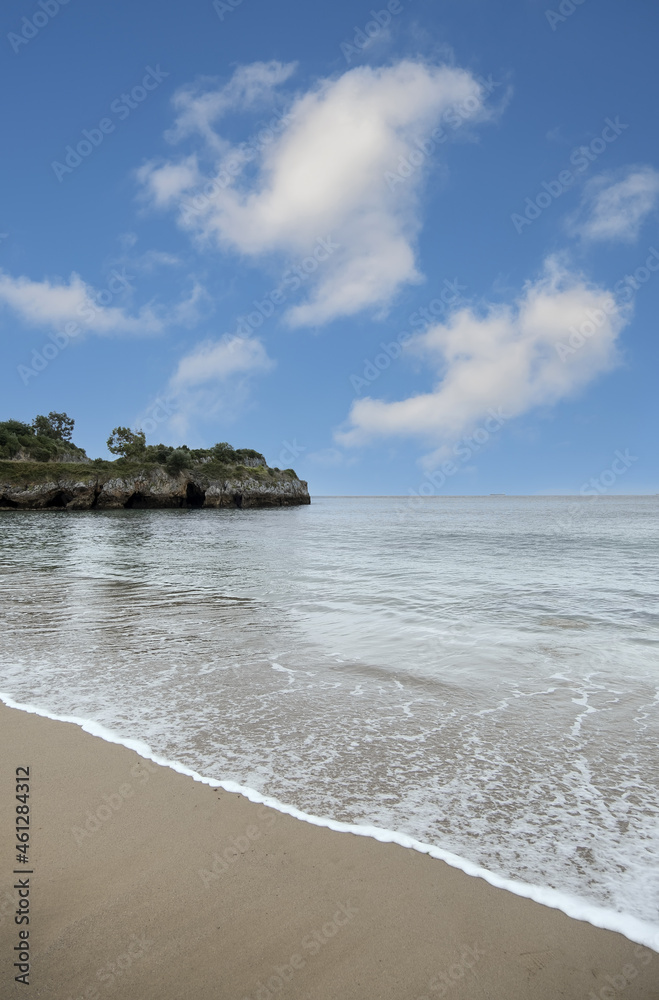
242, 453
223, 452
177, 461
43, 440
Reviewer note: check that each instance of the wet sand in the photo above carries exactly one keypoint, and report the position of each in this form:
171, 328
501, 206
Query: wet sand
148, 885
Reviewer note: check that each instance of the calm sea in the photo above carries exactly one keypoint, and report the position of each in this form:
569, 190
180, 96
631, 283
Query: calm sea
481, 674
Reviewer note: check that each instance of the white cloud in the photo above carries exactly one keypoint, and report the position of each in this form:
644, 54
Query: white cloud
213, 381
201, 104
330, 457
616, 209
58, 304
188, 311
168, 181
151, 260
47, 303
507, 358
322, 172
216, 360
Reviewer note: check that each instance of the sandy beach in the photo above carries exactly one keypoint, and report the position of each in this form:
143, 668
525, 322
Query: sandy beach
147, 884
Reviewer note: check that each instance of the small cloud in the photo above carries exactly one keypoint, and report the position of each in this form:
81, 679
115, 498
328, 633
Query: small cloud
614, 207
128, 240
56, 303
202, 104
166, 182
188, 311
331, 457
151, 260
214, 379
217, 360
556, 135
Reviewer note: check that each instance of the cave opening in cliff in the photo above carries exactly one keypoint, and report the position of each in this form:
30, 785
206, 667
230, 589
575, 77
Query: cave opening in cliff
59, 500
135, 501
238, 499
194, 495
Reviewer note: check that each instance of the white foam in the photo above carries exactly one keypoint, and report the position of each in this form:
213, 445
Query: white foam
640, 931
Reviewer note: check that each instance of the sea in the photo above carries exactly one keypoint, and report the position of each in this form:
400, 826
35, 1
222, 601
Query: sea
473, 677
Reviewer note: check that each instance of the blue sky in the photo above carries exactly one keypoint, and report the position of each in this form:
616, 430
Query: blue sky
415, 252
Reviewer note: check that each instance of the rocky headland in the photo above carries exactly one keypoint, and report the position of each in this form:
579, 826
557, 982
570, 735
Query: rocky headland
41, 469
41, 486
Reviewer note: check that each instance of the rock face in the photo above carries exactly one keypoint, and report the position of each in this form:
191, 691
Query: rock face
154, 489
63, 456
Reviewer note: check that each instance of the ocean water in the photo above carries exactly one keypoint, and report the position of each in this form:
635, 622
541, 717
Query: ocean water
476, 674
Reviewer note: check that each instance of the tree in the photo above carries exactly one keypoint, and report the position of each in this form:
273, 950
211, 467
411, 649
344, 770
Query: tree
126, 443
62, 425
55, 425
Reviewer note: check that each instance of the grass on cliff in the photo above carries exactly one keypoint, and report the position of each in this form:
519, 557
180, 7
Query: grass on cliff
26, 473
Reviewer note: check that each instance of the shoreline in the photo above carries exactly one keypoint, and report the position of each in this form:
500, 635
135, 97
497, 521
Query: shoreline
164, 887
635, 930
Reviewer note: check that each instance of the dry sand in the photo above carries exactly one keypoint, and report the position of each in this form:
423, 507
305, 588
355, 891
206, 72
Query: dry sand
183, 892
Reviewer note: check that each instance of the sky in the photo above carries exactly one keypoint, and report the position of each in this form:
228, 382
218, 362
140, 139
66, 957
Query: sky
409, 248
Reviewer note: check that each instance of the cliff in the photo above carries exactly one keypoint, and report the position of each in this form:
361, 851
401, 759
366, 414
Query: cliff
103, 485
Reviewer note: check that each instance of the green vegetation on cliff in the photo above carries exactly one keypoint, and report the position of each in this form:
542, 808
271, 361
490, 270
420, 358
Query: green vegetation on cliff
26, 451
46, 439
132, 446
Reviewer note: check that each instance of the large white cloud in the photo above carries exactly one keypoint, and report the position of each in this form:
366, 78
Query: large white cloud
614, 208
559, 335
324, 170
